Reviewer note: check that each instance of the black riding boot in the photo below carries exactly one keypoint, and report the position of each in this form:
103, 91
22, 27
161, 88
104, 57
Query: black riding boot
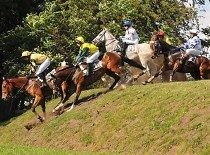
89, 69
182, 61
42, 78
125, 46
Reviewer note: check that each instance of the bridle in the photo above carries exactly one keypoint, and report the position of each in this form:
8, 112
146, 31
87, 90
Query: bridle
102, 38
19, 90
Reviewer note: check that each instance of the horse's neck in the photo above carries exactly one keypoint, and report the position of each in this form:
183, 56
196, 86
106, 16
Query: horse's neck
18, 82
166, 47
110, 43
63, 74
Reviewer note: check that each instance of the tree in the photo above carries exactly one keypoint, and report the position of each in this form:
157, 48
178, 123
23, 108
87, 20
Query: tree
53, 30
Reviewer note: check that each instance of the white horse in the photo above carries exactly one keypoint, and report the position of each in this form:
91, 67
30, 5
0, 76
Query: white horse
141, 53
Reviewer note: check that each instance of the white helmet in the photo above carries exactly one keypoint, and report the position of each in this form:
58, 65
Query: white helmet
194, 31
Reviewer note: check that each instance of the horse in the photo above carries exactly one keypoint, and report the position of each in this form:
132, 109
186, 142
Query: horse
11, 86
200, 69
141, 53
73, 80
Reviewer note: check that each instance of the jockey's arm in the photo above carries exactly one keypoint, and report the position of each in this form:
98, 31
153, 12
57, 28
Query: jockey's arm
33, 65
82, 54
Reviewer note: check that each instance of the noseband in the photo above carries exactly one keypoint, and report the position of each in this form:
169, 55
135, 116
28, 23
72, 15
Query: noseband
99, 40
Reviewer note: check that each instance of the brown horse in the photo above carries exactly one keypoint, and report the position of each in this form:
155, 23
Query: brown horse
198, 70
12, 86
73, 80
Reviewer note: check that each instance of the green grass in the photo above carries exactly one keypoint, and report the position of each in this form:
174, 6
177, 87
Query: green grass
163, 118
23, 150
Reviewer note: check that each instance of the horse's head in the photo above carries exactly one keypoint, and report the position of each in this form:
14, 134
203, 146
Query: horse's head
54, 83
100, 37
7, 89
154, 43
157, 43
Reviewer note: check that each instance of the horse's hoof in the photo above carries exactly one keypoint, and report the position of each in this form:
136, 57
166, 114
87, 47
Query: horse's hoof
144, 83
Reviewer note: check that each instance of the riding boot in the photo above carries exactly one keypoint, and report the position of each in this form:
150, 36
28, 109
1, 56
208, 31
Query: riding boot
42, 79
89, 69
125, 46
182, 61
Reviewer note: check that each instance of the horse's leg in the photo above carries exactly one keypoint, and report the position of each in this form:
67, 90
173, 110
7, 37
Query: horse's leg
78, 92
37, 101
43, 108
203, 71
154, 76
113, 75
175, 68
66, 95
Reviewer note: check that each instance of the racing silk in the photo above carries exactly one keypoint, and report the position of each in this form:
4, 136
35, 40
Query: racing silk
37, 59
193, 43
131, 36
85, 50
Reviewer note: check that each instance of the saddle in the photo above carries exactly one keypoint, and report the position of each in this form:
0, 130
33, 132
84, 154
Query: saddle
83, 67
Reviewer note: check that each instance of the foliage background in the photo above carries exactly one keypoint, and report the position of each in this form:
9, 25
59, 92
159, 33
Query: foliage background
51, 26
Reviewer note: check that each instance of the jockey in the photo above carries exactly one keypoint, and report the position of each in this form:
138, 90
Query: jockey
131, 37
40, 60
193, 46
87, 50
160, 37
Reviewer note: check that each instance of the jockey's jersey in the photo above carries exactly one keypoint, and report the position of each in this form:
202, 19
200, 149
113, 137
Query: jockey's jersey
131, 34
37, 59
194, 43
92, 48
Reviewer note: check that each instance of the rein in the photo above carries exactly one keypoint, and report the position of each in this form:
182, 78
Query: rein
20, 89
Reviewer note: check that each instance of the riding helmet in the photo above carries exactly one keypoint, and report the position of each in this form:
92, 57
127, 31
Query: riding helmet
26, 53
161, 33
127, 23
80, 39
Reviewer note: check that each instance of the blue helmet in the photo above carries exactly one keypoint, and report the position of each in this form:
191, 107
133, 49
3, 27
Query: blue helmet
127, 23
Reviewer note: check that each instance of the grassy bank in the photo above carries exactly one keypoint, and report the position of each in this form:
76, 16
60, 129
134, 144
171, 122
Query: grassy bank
163, 118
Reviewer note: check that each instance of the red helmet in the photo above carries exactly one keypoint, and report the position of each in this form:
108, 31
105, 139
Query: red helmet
161, 33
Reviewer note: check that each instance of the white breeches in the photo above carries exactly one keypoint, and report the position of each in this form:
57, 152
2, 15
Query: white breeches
93, 57
131, 42
193, 51
43, 66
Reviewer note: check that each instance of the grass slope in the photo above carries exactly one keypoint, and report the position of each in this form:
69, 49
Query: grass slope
163, 118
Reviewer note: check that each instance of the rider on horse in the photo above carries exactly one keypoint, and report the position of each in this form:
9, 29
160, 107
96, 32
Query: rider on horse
131, 37
193, 46
40, 60
88, 51
161, 37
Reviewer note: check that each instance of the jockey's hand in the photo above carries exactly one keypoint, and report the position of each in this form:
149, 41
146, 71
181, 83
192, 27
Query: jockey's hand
28, 76
76, 65
31, 71
119, 53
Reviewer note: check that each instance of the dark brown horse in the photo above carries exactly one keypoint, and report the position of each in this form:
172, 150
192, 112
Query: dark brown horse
200, 69
73, 80
11, 86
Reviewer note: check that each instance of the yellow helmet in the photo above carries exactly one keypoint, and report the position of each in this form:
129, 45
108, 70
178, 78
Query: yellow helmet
26, 53
80, 39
